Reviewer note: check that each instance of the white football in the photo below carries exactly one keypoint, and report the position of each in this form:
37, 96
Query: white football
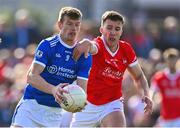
74, 100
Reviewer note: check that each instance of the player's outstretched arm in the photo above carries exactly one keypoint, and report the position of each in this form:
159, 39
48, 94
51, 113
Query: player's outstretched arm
85, 47
141, 80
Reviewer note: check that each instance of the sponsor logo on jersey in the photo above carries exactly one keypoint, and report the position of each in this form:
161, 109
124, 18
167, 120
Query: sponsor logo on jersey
61, 71
109, 72
52, 69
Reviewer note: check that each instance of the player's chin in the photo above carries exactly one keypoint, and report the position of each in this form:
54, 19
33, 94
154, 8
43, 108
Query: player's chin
72, 39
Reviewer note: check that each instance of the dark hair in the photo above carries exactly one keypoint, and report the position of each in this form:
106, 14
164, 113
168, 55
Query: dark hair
112, 15
72, 13
170, 53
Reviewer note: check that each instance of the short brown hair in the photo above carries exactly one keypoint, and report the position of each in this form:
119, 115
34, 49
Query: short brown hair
170, 52
112, 15
72, 13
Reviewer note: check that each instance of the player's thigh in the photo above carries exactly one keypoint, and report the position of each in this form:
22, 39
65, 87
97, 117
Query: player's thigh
66, 119
114, 119
31, 114
89, 117
113, 114
21, 115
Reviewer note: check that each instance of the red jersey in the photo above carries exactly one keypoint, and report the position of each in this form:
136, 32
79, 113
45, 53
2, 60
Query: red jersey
105, 79
169, 87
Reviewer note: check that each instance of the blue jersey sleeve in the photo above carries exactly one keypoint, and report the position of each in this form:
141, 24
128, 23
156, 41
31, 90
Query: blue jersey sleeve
42, 53
84, 67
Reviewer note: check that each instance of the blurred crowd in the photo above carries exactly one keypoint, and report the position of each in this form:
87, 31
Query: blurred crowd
19, 40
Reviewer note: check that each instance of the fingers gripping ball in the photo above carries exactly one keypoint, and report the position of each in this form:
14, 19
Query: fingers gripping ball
74, 100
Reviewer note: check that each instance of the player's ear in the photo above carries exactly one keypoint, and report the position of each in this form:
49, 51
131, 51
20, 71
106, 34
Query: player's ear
59, 23
101, 30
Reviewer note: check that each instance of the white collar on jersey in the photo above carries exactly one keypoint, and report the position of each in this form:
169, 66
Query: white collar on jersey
107, 48
64, 44
170, 75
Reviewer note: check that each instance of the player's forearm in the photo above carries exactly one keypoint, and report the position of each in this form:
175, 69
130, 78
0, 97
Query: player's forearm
144, 85
139, 78
38, 82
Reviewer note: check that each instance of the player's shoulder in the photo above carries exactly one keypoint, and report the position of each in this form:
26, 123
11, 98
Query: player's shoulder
52, 41
124, 43
158, 74
126, 46
98, 39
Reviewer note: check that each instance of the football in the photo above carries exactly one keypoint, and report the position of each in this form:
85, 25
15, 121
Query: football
74, 100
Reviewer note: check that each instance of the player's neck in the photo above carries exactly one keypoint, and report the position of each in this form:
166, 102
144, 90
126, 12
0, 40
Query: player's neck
67, 41
112, 48
172, 70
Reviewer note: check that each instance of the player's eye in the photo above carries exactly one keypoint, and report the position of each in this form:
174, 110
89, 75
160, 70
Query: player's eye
109, 27
69, 23
77, 25
117, 28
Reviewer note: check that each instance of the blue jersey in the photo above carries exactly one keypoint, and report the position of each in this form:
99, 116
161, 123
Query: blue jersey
56, 57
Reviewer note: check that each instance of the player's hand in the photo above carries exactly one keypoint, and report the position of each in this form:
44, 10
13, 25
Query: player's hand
149, 105
82, 47
121, 99
58, 91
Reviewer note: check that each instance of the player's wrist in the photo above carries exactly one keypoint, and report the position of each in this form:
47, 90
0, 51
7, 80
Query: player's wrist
53, 90
146, 94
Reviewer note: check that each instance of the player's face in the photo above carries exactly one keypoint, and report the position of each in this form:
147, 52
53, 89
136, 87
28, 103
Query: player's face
111, 30
69, 29
171, 62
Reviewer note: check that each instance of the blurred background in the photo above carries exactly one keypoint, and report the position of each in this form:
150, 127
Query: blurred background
151, 27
